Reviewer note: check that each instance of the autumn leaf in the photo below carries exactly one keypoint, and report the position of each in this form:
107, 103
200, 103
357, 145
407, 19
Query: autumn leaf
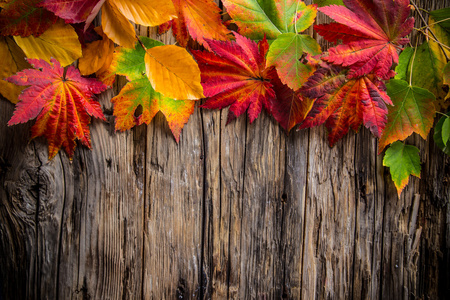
403, 161
173, 72
13, 61
288, 108
199, 19
60, 41
413, 111
371, 30
257, 19
146, 12
343, 104
96, 55
286, 54
25, 18
117, 13
74, 11
117, 27
140, 93
446, 78
235, 75
62, 103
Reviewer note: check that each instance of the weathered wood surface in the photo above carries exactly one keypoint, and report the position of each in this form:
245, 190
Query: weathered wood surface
237, 211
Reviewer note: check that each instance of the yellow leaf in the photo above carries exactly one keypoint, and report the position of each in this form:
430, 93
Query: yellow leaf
60, 41
13, 60
96, 55
117, 27
173, 72
146, 12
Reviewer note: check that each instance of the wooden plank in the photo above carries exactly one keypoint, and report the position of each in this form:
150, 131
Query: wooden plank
330, 218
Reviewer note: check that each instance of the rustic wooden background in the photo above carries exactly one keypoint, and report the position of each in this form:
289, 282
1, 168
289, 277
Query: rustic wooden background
237, 211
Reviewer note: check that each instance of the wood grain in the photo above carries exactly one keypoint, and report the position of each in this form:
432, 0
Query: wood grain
238, 211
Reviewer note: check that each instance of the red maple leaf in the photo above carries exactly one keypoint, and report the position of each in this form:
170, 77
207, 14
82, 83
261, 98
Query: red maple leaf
61, 102
199, 19
235, 75
372, 31
25, 18
343, 104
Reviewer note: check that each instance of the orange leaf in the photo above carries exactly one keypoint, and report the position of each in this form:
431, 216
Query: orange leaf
146, 12
173, 72
97, 55
116, 26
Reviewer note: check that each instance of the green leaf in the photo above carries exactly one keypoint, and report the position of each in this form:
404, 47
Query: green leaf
286, 53
446, 80
445, 147
130, 62
446, 130
256, 18
403, 161
403, 66
427, 68
413, 111
321, 3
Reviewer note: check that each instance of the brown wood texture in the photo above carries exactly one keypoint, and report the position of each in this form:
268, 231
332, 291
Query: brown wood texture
239, 211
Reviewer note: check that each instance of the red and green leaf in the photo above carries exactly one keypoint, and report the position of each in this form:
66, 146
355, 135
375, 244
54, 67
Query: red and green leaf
259, 18
199, 19
235, 75
413, 111
25, 18
62, 103
343, 104
287, 54
140, 93
403, 161
371, 30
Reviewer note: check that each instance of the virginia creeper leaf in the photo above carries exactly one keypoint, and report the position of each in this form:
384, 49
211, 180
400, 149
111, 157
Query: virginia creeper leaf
96, 55
403, 161
270, 18
446, 130
146, 12
286, 54
413, 111
75, 11
173, 72
343, 104
61, 102
13, 60
371, 31
235, 75
24, 18
139, 92
427, 68
117, 27
60, 41
438, 133
199, 19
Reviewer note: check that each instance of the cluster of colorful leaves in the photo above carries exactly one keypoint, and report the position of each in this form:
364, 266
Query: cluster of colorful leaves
285, 73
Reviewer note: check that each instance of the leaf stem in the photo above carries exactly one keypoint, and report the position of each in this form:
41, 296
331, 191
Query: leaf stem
425, 22
140, 42
412, 65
